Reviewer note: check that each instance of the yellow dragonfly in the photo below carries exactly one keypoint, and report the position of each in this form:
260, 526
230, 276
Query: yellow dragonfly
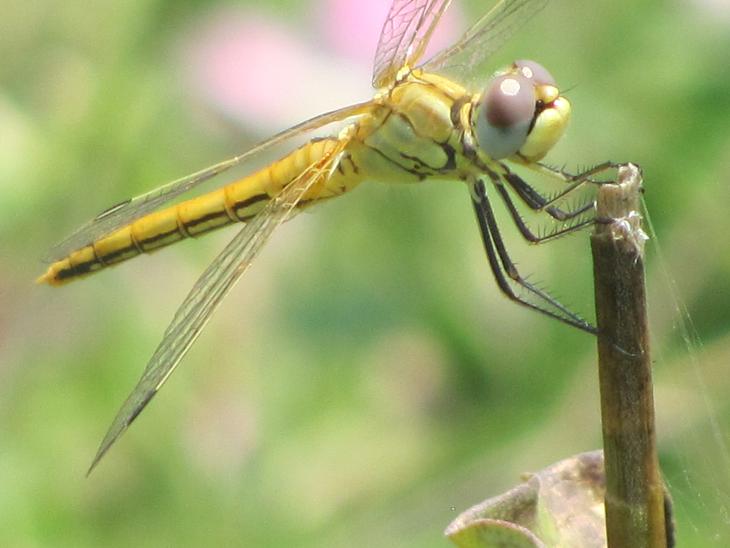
422, 123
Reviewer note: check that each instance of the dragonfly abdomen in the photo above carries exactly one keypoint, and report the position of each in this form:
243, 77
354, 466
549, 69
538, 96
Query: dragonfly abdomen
236, 202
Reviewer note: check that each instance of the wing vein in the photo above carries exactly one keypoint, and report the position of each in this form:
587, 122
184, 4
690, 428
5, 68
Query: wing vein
207, 293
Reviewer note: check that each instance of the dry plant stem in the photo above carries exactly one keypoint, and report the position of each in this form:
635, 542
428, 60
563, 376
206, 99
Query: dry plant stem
634, 489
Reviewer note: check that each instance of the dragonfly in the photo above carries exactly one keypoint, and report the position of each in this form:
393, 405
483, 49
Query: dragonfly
424, 122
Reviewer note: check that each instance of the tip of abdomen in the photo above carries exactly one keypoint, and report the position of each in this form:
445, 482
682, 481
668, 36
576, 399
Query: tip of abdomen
50, 277
44, 279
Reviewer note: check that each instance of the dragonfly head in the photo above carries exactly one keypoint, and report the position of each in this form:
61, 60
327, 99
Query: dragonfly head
521, 112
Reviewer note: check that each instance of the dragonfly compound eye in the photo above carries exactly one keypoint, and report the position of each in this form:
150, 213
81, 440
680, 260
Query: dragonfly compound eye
504, 115
534, 71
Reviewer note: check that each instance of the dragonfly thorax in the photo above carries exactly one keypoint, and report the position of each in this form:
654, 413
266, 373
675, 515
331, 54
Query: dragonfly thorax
520, 113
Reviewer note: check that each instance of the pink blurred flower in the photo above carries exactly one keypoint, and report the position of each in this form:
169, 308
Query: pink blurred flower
268, 75
353, 27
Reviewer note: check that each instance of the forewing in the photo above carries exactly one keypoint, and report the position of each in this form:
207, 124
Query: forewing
131, 210
208, 292
405, 35
486, 36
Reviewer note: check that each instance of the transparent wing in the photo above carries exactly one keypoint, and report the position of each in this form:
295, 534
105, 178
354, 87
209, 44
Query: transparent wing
208, 292
405, 35
486, 36
127, 212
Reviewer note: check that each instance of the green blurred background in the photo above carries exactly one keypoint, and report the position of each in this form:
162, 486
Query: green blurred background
366, 381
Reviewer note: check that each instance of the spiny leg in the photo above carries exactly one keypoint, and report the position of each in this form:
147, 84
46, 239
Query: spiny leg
566, 177
494, 263
537, 202
527, 232
508, 265
534, 200
501, 264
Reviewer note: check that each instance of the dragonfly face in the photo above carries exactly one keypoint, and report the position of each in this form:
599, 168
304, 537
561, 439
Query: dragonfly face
520, 112
423, 123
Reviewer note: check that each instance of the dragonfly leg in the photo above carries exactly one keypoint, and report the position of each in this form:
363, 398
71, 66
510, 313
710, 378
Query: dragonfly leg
536, 201
567, 177
527, 232
504, 269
